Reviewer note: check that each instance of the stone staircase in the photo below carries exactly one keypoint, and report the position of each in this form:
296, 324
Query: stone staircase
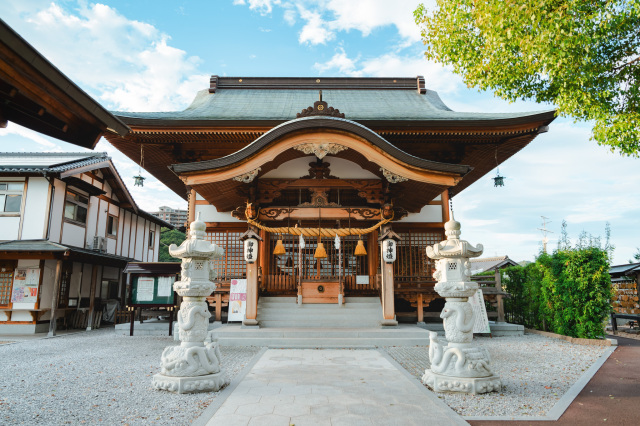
285, 324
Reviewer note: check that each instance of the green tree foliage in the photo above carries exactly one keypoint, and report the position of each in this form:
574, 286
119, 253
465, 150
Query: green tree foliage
168, 237
636, 256
582, 56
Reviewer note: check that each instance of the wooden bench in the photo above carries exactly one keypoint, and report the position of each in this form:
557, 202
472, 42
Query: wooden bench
219, 299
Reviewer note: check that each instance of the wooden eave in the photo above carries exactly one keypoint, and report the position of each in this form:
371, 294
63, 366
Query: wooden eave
36, 95
176, 142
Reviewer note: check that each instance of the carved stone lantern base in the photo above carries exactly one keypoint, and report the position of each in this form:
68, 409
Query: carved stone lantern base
208, 383
474, 385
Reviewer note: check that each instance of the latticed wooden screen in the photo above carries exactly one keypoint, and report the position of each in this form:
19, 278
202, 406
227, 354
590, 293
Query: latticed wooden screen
412, 263
65, 283
232, 265
6, 284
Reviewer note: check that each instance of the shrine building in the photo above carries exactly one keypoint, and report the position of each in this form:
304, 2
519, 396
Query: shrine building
366, 159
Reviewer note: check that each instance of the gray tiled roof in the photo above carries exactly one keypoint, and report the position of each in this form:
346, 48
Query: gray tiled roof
628, 268
489, 263
52, 162
284, 104
49, 246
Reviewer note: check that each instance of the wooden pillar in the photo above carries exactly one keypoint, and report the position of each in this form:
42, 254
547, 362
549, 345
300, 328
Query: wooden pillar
499, 297
252, 295
92, 296
388, 291
420, 308
191, 208
55, 299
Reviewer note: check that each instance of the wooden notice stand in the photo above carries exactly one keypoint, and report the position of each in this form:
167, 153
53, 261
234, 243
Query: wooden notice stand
151, 286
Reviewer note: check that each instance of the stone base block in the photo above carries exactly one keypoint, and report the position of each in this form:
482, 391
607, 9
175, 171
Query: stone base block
474, 385
208, 383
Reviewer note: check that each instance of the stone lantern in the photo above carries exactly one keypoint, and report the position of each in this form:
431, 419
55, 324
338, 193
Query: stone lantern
193, 366
457, 365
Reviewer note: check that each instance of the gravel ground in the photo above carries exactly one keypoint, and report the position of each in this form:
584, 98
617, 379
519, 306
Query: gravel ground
97, 377
536, 371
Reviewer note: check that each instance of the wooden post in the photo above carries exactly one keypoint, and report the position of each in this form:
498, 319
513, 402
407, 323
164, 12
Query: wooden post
420, 308
252, 295
54, 299
388, 302
92, 296
218, 306
499, 297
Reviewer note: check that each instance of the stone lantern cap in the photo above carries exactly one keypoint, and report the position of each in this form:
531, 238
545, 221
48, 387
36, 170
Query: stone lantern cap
195, 245
453, 246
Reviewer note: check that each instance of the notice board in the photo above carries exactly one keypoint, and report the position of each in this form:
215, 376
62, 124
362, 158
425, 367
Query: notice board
152, 290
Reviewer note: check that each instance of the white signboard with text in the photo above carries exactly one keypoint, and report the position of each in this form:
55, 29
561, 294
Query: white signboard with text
480, 318
237, 300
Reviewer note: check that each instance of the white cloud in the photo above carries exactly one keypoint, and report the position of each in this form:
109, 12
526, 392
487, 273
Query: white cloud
316, 30
341, 62
264, 7
127, 64
437, 77
15, 129
324, 18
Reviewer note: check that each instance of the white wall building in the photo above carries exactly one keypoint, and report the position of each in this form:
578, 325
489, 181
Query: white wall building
68, 227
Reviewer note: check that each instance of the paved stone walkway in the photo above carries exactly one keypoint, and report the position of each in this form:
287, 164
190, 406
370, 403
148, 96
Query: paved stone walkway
331, 387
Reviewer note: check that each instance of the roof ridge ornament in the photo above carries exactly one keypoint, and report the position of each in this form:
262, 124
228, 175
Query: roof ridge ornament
320, 107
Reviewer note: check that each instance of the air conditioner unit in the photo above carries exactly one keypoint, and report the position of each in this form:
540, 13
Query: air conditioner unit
99, 243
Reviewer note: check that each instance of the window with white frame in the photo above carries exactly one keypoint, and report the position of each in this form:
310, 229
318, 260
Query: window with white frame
11, 196
112, 226
75, 207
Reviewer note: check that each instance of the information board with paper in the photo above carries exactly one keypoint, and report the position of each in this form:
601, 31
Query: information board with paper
149, 290
25, 285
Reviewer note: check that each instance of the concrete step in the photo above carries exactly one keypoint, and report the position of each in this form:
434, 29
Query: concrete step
403, 335
279, 312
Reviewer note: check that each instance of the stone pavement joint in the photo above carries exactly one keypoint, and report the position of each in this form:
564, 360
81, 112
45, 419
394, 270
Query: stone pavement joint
330, 387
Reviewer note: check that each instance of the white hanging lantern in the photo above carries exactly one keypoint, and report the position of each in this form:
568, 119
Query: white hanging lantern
389, 250
250, 250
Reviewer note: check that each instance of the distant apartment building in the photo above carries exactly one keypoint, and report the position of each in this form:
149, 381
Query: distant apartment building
174, 216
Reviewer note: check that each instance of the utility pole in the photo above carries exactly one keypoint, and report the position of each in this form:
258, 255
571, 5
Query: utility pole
545, 231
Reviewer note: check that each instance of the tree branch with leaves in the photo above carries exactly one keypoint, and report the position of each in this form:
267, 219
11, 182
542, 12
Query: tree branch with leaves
581, 56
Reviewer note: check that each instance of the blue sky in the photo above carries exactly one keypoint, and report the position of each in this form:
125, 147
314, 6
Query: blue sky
143, 55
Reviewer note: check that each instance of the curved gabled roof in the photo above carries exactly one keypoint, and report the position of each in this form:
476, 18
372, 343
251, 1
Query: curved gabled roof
324, 123
269, 105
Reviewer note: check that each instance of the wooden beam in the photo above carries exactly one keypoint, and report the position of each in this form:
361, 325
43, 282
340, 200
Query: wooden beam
92, 296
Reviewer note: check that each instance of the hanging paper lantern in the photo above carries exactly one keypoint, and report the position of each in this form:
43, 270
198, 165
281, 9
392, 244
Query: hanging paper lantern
250, 250
320, 252
389, 250
360, 250
279, 250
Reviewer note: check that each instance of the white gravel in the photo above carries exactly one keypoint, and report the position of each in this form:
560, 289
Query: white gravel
536, 372
97, 377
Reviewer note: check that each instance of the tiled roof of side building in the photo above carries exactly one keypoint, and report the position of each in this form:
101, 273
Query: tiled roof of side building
36, 162
257, 102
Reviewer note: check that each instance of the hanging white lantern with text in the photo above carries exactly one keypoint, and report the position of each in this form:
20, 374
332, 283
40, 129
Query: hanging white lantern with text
389, 250
250, 250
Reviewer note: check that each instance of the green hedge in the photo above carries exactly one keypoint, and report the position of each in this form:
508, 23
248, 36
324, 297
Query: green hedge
568, 292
